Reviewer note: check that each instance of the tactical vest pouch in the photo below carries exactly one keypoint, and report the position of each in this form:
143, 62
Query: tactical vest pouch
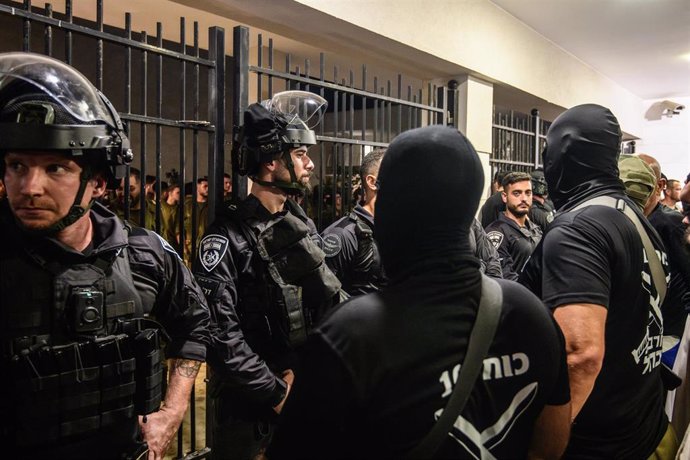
72, 389
149, 371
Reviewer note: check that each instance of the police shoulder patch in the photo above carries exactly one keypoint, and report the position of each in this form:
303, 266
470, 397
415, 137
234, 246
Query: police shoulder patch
211, 251
495, 237
332, 244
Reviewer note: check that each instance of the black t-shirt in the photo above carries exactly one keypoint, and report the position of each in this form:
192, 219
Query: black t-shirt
513, 243
669, 224
594, 255
379, 371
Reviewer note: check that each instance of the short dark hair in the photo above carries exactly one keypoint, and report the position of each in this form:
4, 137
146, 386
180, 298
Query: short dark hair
671, 182
135, 172
150, 179
499, 175
514, 177
202, 179
371, 161
227, 175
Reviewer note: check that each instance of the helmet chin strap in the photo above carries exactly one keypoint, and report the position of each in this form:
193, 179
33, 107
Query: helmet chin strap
292, 187
75, 212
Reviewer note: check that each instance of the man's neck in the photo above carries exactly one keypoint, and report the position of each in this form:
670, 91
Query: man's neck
272, 198
671, 203
77, 236
521, 221
370, 205
538, 198
651, 204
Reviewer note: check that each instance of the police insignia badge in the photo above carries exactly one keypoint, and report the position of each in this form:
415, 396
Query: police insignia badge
496, 238
332, 244
211, 250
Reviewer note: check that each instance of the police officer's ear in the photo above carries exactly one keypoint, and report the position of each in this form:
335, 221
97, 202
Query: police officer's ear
100, 184
372, 182
504, 195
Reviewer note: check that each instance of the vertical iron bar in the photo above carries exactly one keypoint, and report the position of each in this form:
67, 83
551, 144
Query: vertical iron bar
241, 93
389, 113
270, 66
183, 132
336, 147
322, 153
48, 34
259, 52
409, 109
68, 34
399, 105
159, 129
364, 103
536, 122
144, 111
99, 49
128, 64
376, 110
288, 65
216, 102
347, 200
26, 44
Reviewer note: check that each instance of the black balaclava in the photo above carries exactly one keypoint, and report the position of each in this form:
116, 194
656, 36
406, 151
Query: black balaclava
581, 155
430, 182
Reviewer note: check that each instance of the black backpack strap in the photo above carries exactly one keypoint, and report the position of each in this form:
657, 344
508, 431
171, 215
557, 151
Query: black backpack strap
481, 337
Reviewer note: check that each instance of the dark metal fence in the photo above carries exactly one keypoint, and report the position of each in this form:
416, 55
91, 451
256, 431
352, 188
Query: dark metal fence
363, 113
518, 140
137, 72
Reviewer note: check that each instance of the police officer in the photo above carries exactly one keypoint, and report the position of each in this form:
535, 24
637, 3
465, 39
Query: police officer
263, 275
349, 244
513, 235
85, 299
541, 212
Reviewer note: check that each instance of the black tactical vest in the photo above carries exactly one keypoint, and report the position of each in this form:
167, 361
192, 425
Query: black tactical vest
367, 269
293, 285
79, 357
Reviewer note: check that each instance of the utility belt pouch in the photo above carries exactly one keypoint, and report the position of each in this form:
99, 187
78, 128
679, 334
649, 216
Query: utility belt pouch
149, 371
296, 326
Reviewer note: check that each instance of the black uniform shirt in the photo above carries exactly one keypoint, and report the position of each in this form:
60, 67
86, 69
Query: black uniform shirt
382, 367
594, 255
359, 270
541, 214
514, 244
669, 224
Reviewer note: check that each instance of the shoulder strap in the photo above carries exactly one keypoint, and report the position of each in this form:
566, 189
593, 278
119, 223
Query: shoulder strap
481, 337
658, 275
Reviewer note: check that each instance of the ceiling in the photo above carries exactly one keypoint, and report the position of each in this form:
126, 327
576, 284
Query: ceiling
643, 45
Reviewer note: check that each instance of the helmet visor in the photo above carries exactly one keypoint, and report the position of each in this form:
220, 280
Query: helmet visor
303, 105
62, 83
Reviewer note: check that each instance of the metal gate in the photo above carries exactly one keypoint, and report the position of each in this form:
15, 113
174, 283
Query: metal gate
134, 71
518, 140
361, 116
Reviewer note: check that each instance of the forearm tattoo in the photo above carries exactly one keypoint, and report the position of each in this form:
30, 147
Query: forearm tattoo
186, 367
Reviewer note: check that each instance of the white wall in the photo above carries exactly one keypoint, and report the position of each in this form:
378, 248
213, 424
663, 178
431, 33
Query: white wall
667, 139
481, 37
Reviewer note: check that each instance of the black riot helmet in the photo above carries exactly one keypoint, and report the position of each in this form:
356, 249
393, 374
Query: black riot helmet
46, 105
274, 127
539, 186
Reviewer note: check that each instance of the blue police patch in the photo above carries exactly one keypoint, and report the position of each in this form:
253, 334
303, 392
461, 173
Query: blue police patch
211, 250
332, 244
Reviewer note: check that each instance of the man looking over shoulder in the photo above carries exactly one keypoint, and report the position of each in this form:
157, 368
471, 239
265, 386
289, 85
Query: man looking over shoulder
86, 300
